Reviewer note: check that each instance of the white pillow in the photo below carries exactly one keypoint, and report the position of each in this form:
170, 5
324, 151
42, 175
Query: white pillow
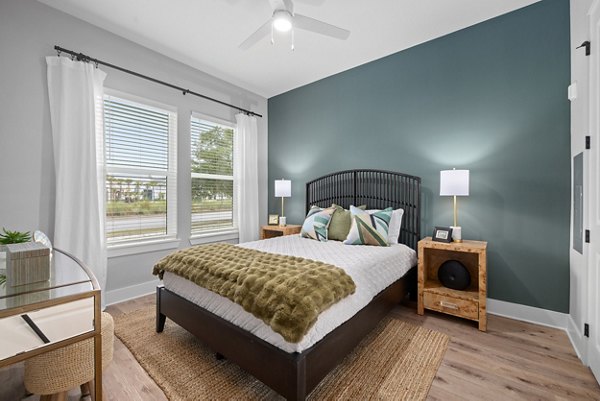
395, 225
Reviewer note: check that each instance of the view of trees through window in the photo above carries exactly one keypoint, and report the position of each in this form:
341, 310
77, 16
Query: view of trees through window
141, 174
212, 176
136, 206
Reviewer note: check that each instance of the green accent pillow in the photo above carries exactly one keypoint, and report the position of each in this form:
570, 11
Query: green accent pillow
339, 227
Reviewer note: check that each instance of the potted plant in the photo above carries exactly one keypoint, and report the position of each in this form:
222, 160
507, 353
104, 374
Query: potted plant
14, 237
10, 237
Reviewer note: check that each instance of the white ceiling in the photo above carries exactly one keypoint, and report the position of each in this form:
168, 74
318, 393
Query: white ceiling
205, 34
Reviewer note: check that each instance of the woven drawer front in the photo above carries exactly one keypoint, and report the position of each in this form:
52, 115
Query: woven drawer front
453, 306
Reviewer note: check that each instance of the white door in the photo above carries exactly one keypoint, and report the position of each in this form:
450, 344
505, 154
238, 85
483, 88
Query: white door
594, 195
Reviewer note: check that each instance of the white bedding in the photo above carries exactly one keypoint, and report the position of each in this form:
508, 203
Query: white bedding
372, 269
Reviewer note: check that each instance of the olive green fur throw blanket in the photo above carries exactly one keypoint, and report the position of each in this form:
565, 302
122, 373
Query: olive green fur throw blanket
286, 292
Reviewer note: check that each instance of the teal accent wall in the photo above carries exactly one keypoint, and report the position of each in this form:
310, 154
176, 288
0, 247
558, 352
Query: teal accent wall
491, 98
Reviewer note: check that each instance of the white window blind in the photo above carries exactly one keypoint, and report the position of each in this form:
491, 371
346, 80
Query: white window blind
140, 155
213, 187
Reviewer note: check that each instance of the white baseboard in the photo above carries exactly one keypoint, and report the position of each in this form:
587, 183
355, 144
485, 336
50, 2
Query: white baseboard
577, 339
131, 292
528, 314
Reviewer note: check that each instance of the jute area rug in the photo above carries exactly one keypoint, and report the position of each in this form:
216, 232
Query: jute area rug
397, 361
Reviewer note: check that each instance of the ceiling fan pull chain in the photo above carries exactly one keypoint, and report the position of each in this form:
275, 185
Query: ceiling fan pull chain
293, 39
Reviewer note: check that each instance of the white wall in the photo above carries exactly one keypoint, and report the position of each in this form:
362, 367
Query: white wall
579, 129
28, 32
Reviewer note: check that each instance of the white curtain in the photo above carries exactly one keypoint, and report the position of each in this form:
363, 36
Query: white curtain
246, 176
75, 90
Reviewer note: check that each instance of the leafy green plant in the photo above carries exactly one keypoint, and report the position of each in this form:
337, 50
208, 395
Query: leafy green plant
14, 237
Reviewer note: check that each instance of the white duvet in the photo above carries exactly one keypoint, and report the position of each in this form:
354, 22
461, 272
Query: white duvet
372, 269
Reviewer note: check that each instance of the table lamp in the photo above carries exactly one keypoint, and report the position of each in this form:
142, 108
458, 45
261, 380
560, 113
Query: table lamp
283, 189
455, 183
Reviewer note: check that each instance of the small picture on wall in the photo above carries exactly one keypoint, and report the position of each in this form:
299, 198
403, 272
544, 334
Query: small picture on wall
273, 219
442, 234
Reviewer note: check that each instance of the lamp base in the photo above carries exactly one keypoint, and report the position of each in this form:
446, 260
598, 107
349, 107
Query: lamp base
282, 221
456, 234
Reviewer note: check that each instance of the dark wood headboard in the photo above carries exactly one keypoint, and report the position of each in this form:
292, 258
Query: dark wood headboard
377, 189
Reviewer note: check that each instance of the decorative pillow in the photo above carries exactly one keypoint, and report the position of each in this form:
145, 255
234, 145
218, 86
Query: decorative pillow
369, 228
316, 223
339, 227
395, 225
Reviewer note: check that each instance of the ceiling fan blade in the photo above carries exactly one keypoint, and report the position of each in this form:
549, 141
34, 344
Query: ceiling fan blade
282, 5
256, 36
313, 25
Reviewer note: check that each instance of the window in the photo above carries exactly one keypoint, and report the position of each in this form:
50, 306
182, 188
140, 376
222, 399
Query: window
213, 186
140, 149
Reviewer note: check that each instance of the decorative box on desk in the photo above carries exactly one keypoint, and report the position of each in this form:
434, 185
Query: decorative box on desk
27, 263
470, 303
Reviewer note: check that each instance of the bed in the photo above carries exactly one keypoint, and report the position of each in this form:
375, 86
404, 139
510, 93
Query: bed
295, 372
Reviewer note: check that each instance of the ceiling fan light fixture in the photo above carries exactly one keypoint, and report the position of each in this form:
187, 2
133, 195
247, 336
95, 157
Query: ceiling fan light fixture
282, 21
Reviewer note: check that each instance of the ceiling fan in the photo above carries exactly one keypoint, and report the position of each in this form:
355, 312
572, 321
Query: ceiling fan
284, 19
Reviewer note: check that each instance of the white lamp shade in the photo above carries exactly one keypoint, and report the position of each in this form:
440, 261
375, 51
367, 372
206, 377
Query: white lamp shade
454, 183
283, 188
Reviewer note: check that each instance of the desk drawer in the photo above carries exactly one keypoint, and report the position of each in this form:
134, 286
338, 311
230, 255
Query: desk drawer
453, 306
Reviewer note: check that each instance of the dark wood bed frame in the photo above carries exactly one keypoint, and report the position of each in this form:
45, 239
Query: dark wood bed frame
295, 375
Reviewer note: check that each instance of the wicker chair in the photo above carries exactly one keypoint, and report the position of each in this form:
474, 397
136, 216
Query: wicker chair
53, 374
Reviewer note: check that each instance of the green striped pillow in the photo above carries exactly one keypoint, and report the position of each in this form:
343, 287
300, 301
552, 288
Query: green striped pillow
316, 223
369, 228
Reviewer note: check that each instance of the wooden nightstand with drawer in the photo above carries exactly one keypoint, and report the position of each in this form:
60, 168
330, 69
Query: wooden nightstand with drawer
278, 231
469, 303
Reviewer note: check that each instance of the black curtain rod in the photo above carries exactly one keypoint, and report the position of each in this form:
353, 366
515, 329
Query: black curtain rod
85, 58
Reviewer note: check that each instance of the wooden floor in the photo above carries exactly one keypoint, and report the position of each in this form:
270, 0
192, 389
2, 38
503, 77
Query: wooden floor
512, 361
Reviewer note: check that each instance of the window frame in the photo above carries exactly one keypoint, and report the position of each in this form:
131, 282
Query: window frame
169, 240
228, 233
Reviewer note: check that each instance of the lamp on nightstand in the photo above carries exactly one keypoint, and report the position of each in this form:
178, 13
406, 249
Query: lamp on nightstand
283, 189
455, 183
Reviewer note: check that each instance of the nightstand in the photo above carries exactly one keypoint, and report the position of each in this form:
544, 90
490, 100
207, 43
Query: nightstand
278, 231
470, 303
